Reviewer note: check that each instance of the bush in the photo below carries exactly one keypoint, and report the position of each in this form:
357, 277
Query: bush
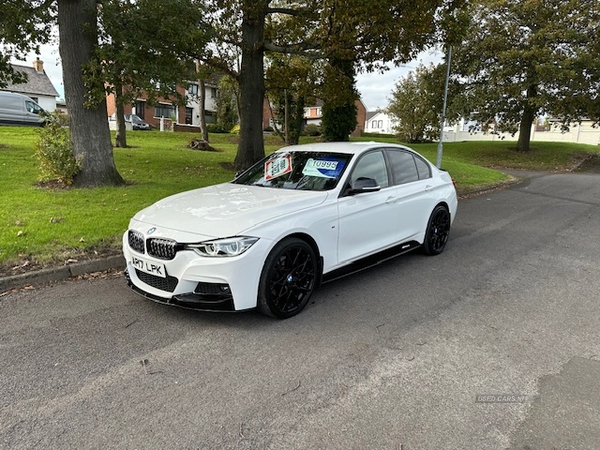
216, 128
312, 130
55, 152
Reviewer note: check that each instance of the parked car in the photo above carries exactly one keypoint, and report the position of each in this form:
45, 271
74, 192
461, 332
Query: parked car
18, 109
269, 237
136, 122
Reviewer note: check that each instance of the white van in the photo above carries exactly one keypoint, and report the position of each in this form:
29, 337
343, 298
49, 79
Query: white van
18, 109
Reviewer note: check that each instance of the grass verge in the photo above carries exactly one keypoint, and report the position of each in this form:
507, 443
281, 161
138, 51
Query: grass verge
40, 225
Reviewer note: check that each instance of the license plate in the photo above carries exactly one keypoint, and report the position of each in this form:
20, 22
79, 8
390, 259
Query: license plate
152, 268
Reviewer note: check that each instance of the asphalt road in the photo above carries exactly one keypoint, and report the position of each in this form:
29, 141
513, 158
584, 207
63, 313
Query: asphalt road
491, 345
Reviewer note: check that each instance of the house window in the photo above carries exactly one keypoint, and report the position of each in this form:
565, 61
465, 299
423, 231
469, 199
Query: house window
164, 110
380, 124
193, 89
213, 92
374, 124
140, 109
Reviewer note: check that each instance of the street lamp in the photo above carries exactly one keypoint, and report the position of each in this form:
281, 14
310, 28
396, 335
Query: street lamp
440, 147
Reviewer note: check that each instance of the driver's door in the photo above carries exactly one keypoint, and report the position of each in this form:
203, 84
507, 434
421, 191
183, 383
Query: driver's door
366, 220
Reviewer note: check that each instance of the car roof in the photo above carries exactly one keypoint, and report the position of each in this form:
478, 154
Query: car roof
341, 147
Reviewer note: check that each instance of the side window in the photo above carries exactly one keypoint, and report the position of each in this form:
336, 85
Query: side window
32, 107
403, 167
423, 169
371, 165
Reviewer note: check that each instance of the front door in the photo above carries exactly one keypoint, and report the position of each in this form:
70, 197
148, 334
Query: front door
367, 221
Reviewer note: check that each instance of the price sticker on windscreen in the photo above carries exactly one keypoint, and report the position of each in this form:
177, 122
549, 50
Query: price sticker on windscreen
325, 168
276, 167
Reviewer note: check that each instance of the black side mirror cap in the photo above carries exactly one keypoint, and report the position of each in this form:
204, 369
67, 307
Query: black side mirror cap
364, 184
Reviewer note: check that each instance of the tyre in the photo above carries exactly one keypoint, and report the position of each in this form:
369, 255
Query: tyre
288, 279
438, 229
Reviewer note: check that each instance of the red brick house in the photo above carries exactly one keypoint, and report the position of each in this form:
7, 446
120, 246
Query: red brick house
313, 114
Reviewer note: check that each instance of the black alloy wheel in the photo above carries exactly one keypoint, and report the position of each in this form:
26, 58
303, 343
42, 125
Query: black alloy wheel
438, 229
288, 279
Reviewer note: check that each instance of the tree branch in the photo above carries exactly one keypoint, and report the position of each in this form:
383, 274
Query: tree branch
287, 11
305, 50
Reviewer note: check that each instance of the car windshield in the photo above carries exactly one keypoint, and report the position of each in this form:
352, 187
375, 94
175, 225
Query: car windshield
309, 171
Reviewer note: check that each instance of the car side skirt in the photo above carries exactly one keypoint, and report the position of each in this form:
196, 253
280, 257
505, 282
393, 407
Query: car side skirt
370, 261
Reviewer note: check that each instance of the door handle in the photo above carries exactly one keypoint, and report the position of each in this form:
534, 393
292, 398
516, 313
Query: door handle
391, 199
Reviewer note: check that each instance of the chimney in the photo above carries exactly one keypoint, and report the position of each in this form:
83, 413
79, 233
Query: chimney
38, 65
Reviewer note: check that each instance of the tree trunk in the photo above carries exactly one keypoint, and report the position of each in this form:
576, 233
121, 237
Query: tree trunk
90, 135
527, 119
121, 134
202, 98
252, 85
298, 121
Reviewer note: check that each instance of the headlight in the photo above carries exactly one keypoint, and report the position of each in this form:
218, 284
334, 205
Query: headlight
223, 247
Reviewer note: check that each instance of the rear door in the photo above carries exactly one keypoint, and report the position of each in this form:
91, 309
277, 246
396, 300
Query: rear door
413, 189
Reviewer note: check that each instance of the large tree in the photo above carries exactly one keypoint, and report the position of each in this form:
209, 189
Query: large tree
147, 45
292, 83
367, 34
28, 23
77, 22
416, 102
524, 58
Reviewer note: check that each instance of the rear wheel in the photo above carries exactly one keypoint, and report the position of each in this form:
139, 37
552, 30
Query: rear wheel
438, 229
288, 278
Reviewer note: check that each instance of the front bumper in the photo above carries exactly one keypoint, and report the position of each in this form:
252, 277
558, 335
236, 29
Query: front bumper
204, 283
205, 301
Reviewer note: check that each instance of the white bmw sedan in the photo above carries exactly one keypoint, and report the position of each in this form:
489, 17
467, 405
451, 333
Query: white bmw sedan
268, 238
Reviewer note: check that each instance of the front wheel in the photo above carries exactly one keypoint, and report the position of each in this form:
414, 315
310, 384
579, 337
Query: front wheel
288, 279
438, 229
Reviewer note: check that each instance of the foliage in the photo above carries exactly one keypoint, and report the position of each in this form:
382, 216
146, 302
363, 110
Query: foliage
522, 59
312, 130
339, 96
138, 55
24, 26
54, 151
416, 103
366, 34
216, 128
338, 122
46, 225
227, 103
291, 82
135, 55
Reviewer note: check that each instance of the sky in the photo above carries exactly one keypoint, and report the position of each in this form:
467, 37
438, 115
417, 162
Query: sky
375, 88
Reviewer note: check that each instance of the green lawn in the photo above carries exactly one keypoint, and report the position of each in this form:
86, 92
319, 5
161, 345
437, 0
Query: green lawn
40, 226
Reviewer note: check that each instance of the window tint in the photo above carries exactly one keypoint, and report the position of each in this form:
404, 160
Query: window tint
423, 169
32, 107
371, 165
403, 166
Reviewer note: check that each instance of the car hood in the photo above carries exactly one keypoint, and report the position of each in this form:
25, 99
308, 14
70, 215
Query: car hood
225, 210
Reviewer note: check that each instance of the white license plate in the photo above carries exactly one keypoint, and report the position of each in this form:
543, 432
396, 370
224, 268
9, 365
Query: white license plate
152, 268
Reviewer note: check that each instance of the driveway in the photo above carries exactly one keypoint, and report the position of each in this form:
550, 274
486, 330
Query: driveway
491, 345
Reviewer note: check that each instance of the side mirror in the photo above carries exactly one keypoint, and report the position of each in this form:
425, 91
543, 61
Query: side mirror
364, 184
